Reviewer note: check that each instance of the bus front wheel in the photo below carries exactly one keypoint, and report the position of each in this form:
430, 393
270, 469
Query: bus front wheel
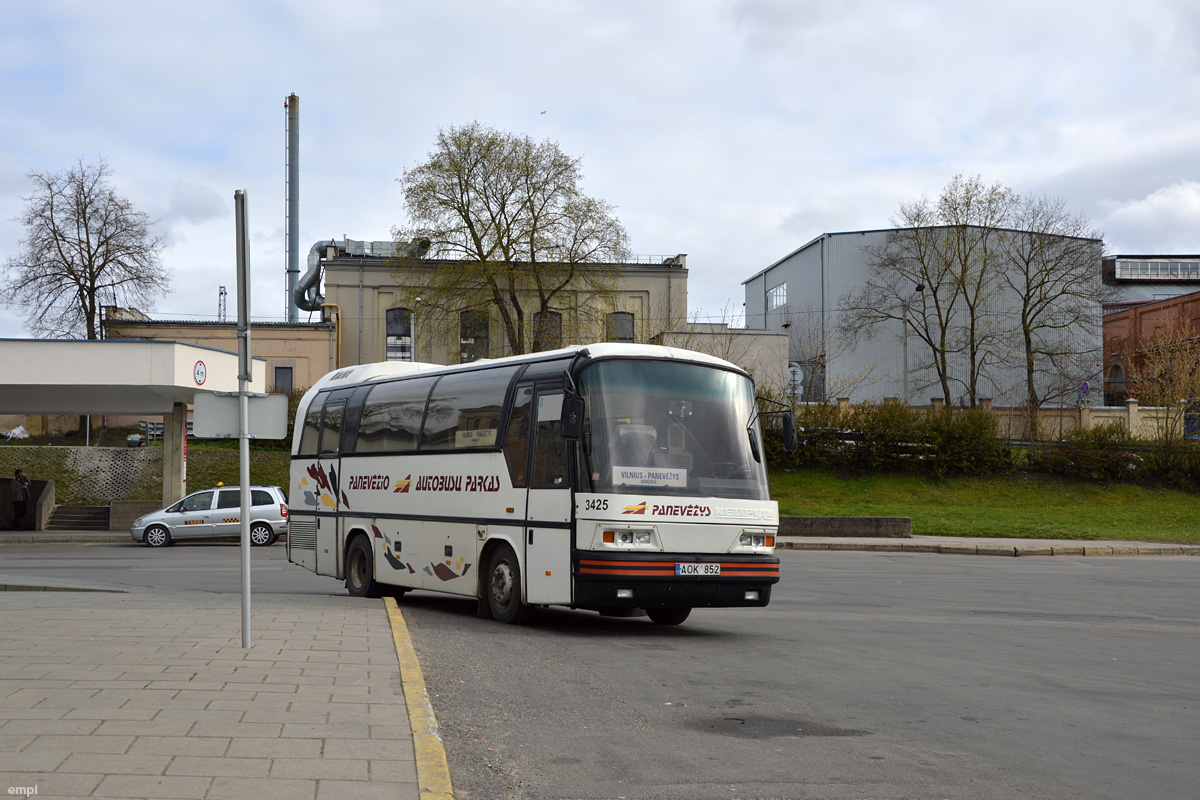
360, 569
504, 587
667, 616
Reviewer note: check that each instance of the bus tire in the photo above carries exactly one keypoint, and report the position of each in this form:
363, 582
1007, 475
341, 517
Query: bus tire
503, 587
360, 569
667, 616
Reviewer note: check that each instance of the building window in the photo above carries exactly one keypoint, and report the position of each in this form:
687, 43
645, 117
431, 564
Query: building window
1160, 270
547, 330
619, 327
777, 296
283, 380
472, 336
399, 335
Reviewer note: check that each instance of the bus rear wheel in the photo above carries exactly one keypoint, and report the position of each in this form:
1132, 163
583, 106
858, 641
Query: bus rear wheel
667, 616
360, 569
503, 587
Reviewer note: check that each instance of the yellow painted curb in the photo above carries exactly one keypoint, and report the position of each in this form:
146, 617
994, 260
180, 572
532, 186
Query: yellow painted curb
433, 773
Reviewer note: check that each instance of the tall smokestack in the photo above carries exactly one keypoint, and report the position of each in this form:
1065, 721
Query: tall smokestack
292, 192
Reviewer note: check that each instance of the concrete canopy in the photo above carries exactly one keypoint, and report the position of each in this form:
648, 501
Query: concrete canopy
112, 377
120, 377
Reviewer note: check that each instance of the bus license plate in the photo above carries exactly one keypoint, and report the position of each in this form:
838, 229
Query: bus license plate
697, 569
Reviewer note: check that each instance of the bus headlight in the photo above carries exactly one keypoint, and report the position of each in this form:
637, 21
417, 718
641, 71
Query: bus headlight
640, 538
755, 539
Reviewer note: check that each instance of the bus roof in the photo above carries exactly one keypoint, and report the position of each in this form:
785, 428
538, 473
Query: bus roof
364, 373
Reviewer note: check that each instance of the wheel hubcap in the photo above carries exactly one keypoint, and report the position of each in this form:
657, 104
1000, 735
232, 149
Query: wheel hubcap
502, 584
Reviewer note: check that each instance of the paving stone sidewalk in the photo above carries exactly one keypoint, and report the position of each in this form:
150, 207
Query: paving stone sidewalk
142, 695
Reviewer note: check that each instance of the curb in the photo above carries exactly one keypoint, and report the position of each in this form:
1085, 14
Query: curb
71, 537
986, 548
433, 771
21, 587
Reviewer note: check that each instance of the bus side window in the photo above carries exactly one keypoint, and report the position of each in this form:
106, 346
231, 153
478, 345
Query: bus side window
550, 451
391, 416
331, 431
516, 443
312, 425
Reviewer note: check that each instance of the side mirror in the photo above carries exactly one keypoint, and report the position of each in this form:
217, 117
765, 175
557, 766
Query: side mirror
571, 426
789, 433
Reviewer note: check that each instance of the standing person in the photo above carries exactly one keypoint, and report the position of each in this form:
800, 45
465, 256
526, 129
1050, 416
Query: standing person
18, 489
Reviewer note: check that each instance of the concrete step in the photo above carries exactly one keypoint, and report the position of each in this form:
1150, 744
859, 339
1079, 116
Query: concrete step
78, 518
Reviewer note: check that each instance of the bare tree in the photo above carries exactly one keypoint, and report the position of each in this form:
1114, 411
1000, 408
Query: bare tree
975, 272
512, 232
1053, 271
85, 247
973, 215
910, 265
1164, 370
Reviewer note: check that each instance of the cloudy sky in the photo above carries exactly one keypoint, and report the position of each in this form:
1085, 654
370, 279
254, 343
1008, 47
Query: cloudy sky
731, 130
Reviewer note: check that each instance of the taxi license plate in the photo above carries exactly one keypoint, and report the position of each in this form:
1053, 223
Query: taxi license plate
697, 569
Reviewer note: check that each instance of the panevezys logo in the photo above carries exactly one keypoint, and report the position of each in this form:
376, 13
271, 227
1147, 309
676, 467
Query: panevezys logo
691, 510
403, 485
359, 482
640, 508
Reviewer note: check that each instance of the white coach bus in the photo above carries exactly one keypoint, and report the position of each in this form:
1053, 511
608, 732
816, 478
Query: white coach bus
609, 477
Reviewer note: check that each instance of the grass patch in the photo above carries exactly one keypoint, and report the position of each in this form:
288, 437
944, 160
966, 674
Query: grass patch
1016, 506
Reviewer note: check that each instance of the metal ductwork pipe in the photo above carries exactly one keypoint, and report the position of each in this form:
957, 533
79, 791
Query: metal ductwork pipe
307, 293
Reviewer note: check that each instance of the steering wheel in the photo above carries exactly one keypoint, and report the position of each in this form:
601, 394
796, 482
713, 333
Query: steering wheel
723, 469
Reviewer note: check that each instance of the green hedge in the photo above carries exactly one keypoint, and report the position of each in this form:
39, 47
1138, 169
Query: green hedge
1108, 453
890, 437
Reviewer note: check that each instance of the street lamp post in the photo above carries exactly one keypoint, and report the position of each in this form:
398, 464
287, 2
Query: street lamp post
413, 328
918, 290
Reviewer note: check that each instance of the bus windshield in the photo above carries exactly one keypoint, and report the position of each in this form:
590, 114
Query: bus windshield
670, 428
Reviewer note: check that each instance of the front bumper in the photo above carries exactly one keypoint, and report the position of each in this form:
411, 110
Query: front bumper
648, 580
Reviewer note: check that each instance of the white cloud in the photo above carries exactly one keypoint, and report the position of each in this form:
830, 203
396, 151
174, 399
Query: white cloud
733, 131
1165, 221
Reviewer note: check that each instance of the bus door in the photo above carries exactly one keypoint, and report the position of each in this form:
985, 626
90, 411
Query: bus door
327, 484
548, 508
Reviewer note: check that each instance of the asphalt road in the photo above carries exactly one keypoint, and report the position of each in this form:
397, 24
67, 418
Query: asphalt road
869, 676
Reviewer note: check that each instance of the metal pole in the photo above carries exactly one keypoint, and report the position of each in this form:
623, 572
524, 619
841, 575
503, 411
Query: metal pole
412, 328
905, 323
244, 362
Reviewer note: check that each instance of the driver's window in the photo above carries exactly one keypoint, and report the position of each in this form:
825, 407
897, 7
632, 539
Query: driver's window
550, 452
201, 501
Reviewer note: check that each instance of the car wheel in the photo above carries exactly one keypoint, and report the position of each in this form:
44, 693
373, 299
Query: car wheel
667, 616
157, 536
360, 569
261, 534
504, 587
